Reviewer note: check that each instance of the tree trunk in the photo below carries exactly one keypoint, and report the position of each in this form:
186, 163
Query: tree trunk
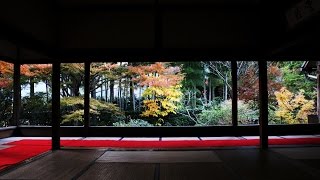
210, 91
205, 92
132, 99
47, 90
318, 89
111, 91
226, 88
189, 97
124, 99
120, 95
194, 97
76, 91
106, 90
101, 92
213, 93
140, 98
94, 94
31, 87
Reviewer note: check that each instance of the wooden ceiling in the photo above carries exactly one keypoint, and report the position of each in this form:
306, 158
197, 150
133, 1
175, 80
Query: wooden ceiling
62, 29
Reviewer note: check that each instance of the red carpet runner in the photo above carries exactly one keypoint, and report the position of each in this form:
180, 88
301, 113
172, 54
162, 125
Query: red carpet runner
25, 149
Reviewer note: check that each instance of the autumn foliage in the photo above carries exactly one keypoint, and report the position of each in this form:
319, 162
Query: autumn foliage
40, 71
249, 83
6, 74
35, 70
162, 85
293, 108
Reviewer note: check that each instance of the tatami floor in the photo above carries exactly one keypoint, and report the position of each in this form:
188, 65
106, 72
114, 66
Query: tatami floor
294, 162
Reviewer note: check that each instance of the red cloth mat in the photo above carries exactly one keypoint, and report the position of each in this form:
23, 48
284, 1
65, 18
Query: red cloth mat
25, 149
16, 154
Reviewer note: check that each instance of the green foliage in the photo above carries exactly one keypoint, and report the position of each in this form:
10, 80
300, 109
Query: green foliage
5, 107
133, 123
294, 80
36, 110
102, 113
216, 115
272, 119
222, 114
194, 74
178, 120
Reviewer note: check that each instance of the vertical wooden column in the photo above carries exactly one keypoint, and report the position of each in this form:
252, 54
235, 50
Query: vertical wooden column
55, 106
16, 93
158, 26
234, 69
263, 102
86, 98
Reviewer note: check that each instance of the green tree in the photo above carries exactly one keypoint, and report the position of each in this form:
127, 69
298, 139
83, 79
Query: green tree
104, 113
294, 80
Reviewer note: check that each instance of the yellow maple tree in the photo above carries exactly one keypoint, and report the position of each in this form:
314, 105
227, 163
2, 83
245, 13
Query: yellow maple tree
293, 108
163, 88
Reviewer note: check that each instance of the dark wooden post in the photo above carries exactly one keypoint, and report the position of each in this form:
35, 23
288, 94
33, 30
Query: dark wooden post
234, 93
263, 102
86, 97
55, 106
16, 93
158, 26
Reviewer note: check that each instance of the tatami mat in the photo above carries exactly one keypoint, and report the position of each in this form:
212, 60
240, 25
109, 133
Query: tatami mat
119, 171
62, 164
227, 164
196, 171
262, 165
159, 156
299, 153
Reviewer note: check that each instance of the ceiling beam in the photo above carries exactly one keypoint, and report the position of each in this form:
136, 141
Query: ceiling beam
24, 39
238, 6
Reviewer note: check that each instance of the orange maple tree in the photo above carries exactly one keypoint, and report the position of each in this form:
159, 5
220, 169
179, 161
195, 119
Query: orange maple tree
162, 84
6, 74
249, 84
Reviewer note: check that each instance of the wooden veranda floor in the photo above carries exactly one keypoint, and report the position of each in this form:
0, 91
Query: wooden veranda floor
294, 163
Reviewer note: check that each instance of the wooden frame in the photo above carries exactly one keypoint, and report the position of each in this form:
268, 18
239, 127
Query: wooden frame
263, 129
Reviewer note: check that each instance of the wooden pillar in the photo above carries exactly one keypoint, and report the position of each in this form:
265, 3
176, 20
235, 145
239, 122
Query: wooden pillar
55, 106
16, 93
86, 98
318, 89
263, 102
234, 93
158, 25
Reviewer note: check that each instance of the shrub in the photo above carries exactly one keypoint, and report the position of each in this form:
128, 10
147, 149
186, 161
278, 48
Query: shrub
5, 107
133, 123
101, 113
221, 114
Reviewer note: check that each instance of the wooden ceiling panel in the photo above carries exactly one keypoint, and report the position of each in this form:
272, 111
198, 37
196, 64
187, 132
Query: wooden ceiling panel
210, 30
107, 30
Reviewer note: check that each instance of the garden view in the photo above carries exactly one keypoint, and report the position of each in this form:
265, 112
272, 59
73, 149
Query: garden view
194, 93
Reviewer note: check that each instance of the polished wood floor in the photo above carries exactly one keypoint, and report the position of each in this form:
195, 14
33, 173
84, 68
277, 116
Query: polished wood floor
292, 163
